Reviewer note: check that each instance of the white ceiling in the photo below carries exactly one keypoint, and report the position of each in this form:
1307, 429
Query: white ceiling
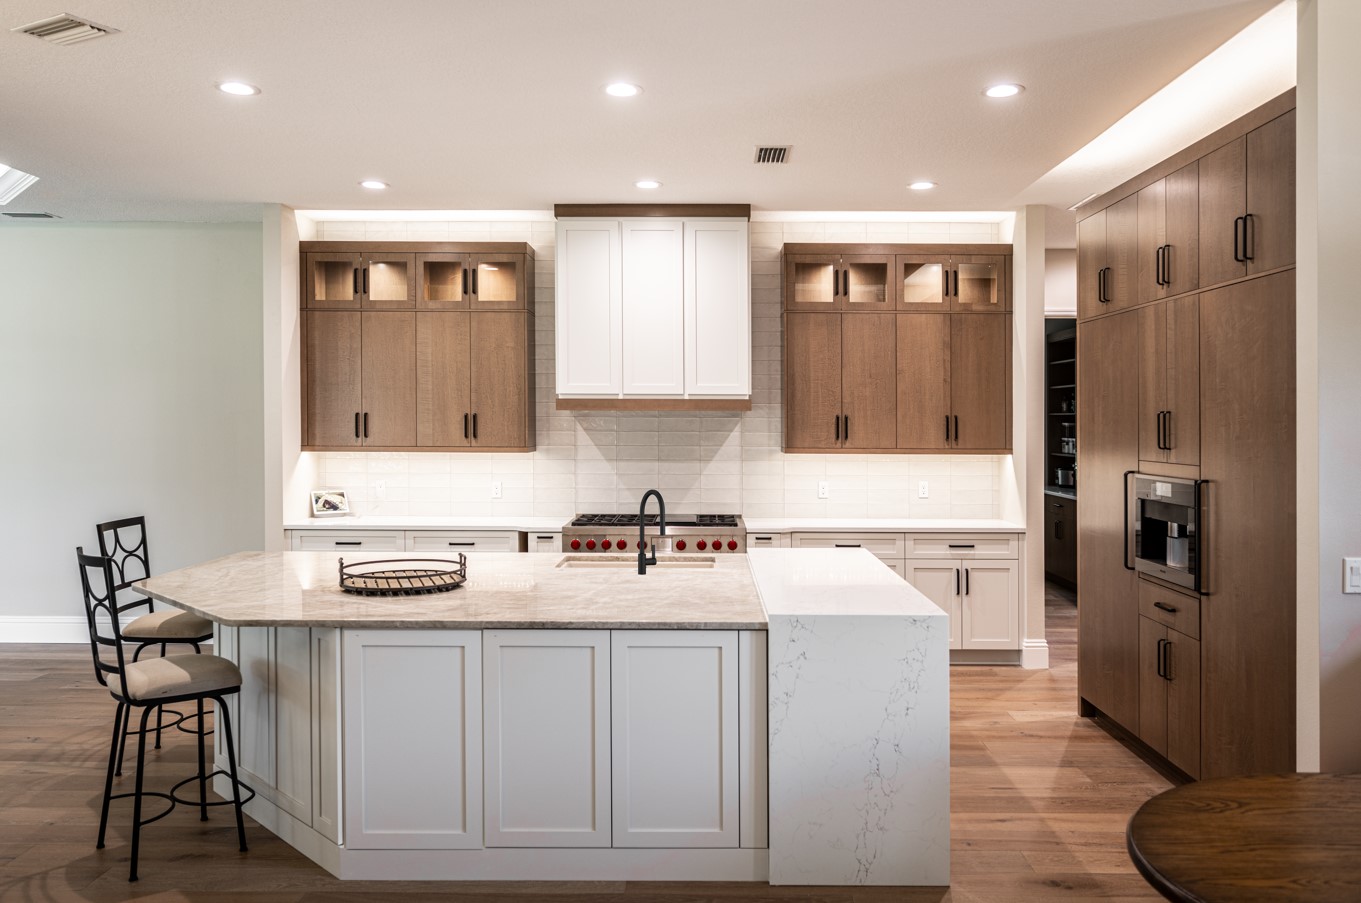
494, 105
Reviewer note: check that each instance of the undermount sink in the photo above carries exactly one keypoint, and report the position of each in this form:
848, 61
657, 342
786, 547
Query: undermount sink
622, 562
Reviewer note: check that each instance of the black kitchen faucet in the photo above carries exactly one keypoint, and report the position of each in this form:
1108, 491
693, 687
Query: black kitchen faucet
644, 559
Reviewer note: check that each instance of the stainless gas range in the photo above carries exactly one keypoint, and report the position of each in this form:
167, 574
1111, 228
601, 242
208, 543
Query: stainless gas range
684, 533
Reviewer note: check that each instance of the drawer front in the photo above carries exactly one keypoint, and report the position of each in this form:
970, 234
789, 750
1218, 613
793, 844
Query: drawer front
464, 541
897, 566
767, 540
882, 545
960, 545
1167, 606
544, 542
352, 540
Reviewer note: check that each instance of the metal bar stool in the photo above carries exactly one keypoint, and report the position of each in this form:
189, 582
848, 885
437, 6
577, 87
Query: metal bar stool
147, 685
124, 543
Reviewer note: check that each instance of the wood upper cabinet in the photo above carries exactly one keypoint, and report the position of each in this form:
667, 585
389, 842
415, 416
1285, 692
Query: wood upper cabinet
937, 283
869, 382
923, 363
360, 379
438, 372
330, 279
1107, 258
1247, 203
1169, 381
839, 282
1169, 694
1169, 239
1108, 446
980, 371
812, 383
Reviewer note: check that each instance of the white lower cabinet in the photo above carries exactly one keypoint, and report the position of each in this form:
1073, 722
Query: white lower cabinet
413, 731
942, 582
675, 727
546, 717
463, 541
347, 540
981, 596
545, 542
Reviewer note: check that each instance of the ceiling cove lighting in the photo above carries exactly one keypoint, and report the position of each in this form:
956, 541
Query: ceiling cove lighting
238, 89
1006, 90
13, 182
622, 89
373, 184
647, 184
922, 185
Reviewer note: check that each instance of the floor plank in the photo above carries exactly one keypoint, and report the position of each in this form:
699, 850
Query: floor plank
1039, 802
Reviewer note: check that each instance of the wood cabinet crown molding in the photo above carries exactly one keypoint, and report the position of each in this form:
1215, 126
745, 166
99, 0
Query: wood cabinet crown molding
414, 247
680, 211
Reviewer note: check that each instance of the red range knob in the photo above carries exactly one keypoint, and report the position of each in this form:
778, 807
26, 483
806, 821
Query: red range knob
732, 545
623, 544
680, 545
590, 543
701, 545
605, 544
576, 544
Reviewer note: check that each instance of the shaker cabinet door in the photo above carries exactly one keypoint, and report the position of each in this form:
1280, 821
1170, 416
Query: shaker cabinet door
331, 398
388, 371
923, 365
653, 307
500, 396
443, 399
979, 381
589, 308
869, 382
717, 308
812, 380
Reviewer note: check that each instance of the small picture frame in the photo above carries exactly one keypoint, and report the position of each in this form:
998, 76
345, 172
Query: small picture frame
330, 503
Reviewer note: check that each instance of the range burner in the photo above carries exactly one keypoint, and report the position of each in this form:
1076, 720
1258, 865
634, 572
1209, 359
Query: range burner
680, 520
685, 532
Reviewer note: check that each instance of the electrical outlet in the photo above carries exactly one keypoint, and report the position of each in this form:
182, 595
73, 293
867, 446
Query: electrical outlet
823, 491
1351, 575
496, 489
380, 488
923, 490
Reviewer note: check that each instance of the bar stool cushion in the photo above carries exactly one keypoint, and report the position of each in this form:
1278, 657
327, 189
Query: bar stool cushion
176, 675
169, 624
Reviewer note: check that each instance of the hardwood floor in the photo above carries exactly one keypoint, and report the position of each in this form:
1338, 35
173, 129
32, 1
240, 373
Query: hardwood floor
1039, 803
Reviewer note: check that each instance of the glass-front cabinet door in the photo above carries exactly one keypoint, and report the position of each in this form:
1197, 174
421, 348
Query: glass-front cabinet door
980, 284
812, 282
922, 283
388, 281
331, 280
865, 282
498, 282
442, 281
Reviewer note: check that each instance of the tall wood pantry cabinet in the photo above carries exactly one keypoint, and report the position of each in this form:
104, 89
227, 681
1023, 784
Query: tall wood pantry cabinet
417, 346
893, 348
1186, 369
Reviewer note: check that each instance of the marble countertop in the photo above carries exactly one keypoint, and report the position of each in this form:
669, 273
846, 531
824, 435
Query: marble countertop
880, 524
830, 582
405, 522
504, 590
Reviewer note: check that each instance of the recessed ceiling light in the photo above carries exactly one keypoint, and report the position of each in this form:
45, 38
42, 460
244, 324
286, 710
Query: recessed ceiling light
13, 182
922, 186
375, 184
622, 89
239, 89
1007, 90
647, 183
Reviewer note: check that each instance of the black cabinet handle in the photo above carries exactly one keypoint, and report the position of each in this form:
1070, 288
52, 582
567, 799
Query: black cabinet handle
1249, 237
956, 581
356, 424
1125, 557
1237, 240
356, 280
966, 581
465, 426
366, 424
1158, 266
1167, 430
465, 280
838, 428
543, 537
956, 429
464, 544
1058, 529
848, 545
474, 282
967, 545
956, 272
1167, 659
947, 429
846, 283
349, 542
945, 278
366, 278
1163, 606
474, 415
1101, 285
845, 427
1159, 664
1167, 264
1160, 429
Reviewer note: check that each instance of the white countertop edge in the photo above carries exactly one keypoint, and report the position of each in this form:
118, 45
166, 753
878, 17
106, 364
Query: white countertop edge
410, 522
834, 583
880, 525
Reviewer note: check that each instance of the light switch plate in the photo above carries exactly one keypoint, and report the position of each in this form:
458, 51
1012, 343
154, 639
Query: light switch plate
496, 489
1351, 575
923, 490
823, 491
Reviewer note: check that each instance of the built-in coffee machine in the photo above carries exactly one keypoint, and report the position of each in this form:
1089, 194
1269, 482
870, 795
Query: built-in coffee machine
1164, 535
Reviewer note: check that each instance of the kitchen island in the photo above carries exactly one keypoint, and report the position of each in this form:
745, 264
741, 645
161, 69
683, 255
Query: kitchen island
781, 716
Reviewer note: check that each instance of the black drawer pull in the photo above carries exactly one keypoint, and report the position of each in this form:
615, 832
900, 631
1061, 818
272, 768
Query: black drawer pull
349, 542
469, 544
765, 539
543, 537
1163, 606
962, 546
848, 545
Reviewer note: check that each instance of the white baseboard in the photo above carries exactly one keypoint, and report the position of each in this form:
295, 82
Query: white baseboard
47, 628
1035, 654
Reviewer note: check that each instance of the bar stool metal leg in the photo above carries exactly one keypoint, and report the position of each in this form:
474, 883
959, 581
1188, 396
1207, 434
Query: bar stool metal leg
122, 736
202, 770
115, 750
137, 794
221, 711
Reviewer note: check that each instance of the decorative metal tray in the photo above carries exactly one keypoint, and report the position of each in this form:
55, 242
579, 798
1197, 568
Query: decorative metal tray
403, 576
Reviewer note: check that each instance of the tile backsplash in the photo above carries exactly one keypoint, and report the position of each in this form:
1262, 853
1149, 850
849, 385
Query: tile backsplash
716, 463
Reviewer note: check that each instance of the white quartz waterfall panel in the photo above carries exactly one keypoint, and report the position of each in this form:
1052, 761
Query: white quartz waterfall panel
859, 729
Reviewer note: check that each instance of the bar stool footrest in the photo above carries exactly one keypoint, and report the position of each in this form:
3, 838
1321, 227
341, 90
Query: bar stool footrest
193, 716
174, 791
168, 797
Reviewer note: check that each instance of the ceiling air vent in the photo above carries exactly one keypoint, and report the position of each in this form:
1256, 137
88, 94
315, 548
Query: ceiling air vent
772, 154
29, 215
65, 29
